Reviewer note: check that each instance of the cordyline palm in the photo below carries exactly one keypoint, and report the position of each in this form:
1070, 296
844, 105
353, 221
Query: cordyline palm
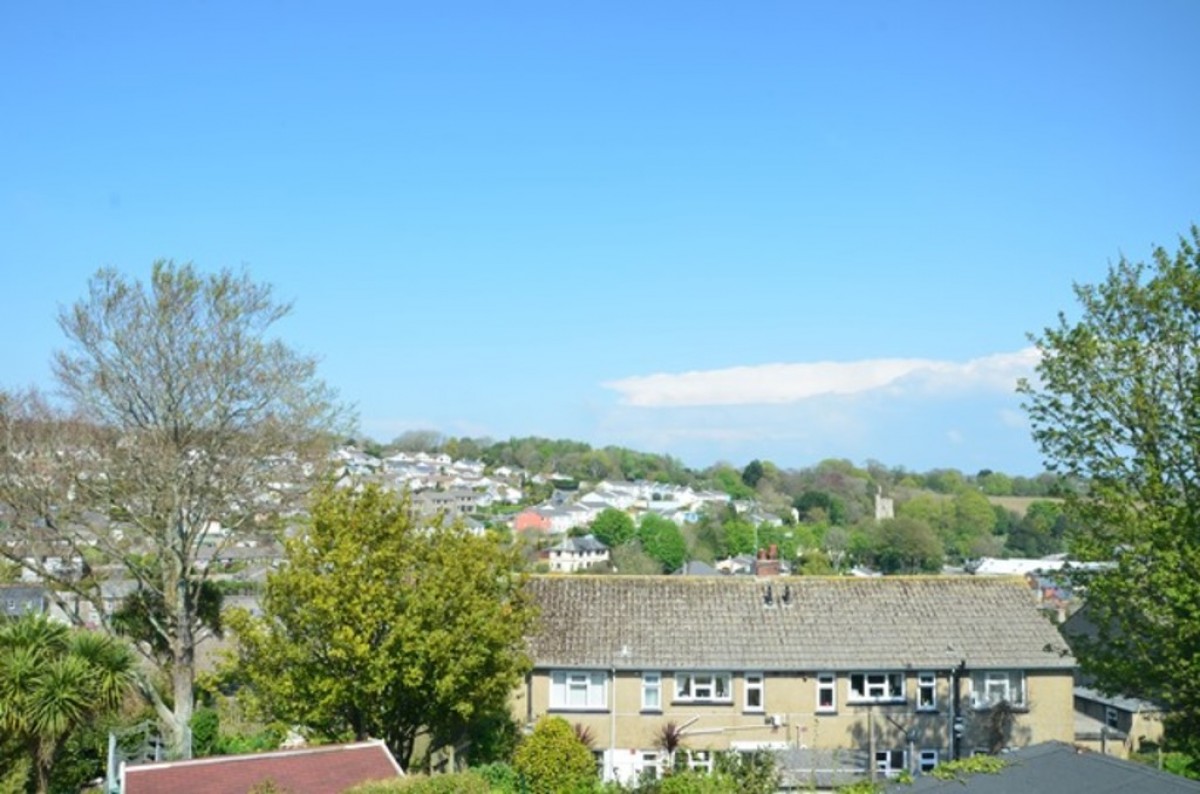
53, 680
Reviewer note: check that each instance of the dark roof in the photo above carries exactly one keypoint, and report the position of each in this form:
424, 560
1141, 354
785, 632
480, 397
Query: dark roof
1057, 768
312, 770
812, 623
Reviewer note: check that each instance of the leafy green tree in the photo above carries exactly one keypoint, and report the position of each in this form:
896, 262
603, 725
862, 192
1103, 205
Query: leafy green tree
905, 545
54, 681
182, 412
663, 541
613, 527
552, 760
378, 625
974, 518
1041, 531
1116, 404
728, 479
994, 483
820, 506
739, 537
752, 473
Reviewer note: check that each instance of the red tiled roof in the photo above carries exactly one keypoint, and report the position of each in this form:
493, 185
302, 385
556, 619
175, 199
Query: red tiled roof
312, 770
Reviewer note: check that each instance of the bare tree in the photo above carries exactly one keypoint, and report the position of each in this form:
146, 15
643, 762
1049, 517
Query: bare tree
183, 424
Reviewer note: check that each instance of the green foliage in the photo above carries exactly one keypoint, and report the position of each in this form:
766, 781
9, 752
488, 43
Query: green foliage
553, 760
750, 773
728, 479
752, 473
1177, 763
1117, 405
613, 527
697, 783
143, 614
1041, 531
964, 767
818, 507
662, 540
470, 782
906, 545
380, 626
862, 787
55, 681
994, 483
579, 461
206, 730
499, 776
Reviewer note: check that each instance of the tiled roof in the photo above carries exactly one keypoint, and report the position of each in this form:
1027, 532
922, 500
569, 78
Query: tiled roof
312, 770
1057, 768
648, 622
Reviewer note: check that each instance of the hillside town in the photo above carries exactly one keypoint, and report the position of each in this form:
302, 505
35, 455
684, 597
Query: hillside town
844, 679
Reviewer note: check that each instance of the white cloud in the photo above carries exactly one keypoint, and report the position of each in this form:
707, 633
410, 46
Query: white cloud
790, 383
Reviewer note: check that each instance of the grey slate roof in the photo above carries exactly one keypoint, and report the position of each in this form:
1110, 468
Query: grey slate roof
1057, 768
674, 622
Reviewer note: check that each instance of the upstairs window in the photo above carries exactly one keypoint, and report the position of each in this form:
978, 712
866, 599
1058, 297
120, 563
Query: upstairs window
826, 692
703, 688
651, 691
584, 690
876, 687
926, 692
992, 687
754, 692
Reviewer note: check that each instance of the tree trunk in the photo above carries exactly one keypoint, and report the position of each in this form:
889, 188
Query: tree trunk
183, 661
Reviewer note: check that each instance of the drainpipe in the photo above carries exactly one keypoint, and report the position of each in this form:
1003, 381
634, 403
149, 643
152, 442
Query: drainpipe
610, 771
956, 720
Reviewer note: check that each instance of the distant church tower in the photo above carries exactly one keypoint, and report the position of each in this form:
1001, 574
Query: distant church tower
884, 506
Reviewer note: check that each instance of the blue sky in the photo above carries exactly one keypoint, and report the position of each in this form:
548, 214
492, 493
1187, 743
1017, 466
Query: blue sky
790, 230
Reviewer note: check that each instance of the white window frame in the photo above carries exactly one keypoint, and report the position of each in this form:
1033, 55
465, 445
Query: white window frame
927, 686
928, 760
827, 682
876, 687
649, 761
699, 760
566, 687
755, 682
991, 687
652, 682
703, 687
886, 761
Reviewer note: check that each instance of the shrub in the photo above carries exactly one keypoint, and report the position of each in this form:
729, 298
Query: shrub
552, 760
458, 783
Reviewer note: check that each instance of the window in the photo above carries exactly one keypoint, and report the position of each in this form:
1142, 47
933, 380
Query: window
990, 687
648, 765
926, 692
578, 689
876, 687
826, 689
699, 760
890, 762
929, 759
694, 687
754, 692
651, 691
1111, 718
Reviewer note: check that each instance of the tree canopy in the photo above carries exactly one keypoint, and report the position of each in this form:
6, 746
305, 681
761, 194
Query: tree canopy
1116, 403
54, 680
378, 625
613, 527
182, 414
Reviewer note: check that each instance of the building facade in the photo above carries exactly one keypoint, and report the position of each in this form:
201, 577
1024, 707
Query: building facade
872, 676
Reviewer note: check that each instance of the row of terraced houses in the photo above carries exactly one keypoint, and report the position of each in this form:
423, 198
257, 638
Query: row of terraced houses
843, 677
